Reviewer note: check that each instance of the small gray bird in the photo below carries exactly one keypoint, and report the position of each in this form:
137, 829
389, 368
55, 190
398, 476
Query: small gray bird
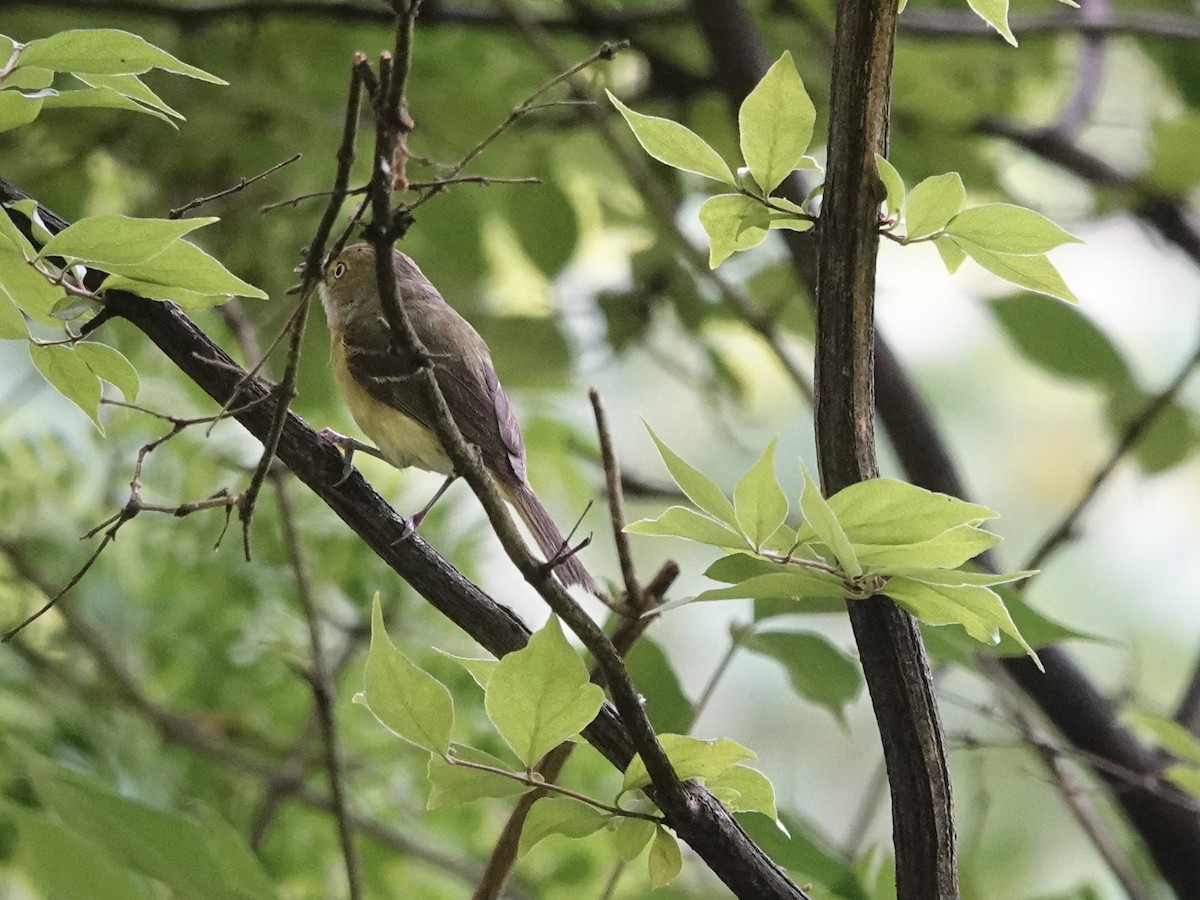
390, 407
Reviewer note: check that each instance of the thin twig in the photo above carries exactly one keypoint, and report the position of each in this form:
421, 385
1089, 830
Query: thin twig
240, 186
322, 685
616, 503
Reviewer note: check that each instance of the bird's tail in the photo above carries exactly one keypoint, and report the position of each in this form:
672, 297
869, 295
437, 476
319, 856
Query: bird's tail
549, 539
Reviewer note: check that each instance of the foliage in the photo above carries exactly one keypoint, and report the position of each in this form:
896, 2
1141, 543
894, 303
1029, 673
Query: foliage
163, 705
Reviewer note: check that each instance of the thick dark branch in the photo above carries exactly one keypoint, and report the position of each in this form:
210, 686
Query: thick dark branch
889, 641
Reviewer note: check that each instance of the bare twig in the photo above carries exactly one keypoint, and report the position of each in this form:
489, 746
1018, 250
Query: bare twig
240, 186
319, 677
616, 504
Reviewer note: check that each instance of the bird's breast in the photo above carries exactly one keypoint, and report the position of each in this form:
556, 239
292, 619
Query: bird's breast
401, 439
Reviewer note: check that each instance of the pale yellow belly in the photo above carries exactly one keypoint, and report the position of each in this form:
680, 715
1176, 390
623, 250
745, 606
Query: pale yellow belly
402, 440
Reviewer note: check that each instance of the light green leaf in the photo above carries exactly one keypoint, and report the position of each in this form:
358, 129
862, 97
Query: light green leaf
182, 297
70, 376
12, 240
933, 203
824, 522
732, 222
1036, 273
12, 323
674, 144
105, 51
775, 124
452, 785
952, 255
16, 110
889, 511
759, 501
949, 550
111, 366
817, 670
754, 790
995, 13
698, 487
26, 78
691, 758
892, 183
976, 608
1186, 778
559, 815
737, 567
788, 223
1165, 733
958, 576
679, 521
793, 583
632, 836
99, 98
481, 669
28, 289
186, 266
134, 88
407, 700
665, 860
1004, 228
540, 695
107, 241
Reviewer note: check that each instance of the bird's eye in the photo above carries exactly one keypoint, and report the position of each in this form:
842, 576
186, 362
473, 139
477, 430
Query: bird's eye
339, 269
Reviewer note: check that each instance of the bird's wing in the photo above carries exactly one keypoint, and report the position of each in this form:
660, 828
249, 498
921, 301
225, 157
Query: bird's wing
473, 393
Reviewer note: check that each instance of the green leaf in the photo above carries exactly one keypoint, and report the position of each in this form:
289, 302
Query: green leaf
452, 785
758, 500
665, 860
1062, 340
976, 608
12, 323
679, 521
26, 78
958, 576
182, 297
818, 671
933, 203
952, 255
559, 815
1186, 778
732, 222
107, 241
1004, 228
99, 98
134, 88
163, 845
754, 790
240, 868
995, 13
948, 550
70, 376
13, 241
632, 836
1165, 733
892, 183
775, 124
63, 865
674, 144
407, 700
1036, 273
889, 511
1174, 165
540, 695
27, 288
16, 110
794, 582
697, 486
737, 567
691, 758
182, 266
819, 515
105, 51
667, 706
111, 366
480, 669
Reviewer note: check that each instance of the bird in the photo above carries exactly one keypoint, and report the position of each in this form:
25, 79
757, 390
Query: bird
375, 377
